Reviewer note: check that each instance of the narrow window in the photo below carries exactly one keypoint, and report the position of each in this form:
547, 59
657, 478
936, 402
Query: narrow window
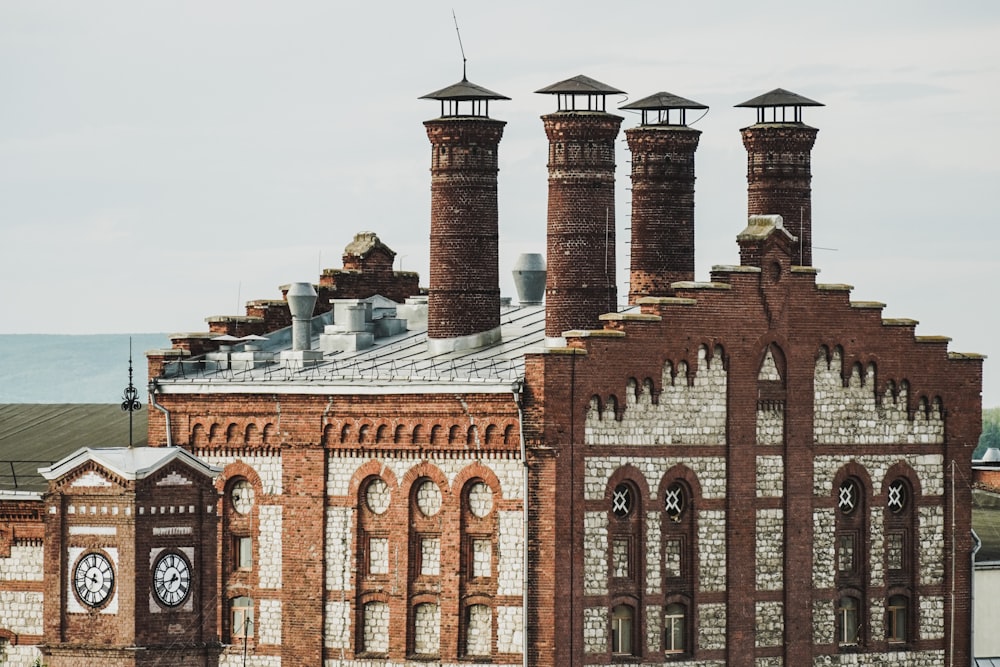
847, 621
242, 617
674, 629
895, 625
376, 628
243, 552
478, 630
621, 630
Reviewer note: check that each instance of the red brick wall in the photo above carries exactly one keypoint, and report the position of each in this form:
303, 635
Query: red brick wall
580, 283
662, 249
779, 179
464, 295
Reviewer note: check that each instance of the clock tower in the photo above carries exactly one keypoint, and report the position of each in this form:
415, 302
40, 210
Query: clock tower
130, 559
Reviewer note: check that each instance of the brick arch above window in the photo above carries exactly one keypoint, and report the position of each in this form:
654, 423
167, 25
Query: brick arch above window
476, 472
370, 469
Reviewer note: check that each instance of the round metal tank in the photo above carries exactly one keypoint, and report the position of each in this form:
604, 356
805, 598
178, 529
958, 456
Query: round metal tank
529, 278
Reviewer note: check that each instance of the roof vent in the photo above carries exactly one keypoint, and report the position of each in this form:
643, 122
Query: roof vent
301, 301
529, 278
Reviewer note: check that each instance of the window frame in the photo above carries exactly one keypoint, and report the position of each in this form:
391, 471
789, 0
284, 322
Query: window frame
623, 613
669, 629
242, 607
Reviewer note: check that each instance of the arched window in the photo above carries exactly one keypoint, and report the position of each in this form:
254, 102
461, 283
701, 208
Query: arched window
241, 618
622, 630
478, 630
896, 623
675, 628
375, 624
848, 620
427, 629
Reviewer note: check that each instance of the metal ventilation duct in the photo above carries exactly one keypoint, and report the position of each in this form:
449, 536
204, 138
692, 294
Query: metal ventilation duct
529, 278
301, 301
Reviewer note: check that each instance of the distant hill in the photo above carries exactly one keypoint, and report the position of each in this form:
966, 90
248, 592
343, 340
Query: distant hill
56, 368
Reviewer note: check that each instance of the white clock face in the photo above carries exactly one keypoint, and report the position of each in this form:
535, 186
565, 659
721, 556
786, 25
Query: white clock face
94, 579
171, 579
242, 495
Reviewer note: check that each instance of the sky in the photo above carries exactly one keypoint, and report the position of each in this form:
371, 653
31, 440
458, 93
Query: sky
163, 162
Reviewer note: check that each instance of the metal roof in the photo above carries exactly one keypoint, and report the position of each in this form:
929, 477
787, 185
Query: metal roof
401, 363
131, 463
664, 100
463, 90
779, 97
579, 85
37, 435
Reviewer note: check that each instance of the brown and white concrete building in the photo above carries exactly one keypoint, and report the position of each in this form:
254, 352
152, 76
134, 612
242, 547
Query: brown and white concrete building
752, 470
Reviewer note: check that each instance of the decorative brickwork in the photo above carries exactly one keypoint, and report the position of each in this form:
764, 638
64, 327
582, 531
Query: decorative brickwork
662, 248
580, 282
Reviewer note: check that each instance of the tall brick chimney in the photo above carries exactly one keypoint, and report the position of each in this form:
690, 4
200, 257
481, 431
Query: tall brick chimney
779, 174
662, 248
580, 285
463, 305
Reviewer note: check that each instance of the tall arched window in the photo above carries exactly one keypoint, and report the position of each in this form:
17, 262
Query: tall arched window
675, 628
623, 630
851, 547
478, 584
901, 559
678, 529
373, 558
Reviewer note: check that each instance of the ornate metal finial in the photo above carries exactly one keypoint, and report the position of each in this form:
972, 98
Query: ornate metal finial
130, 397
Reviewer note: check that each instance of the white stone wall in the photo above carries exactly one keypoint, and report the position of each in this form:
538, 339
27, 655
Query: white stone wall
711, 626
928, 468
339, 534
337, 633
824, 622
824, 548
595, 543
25, 564
850, 415
769, 624
693, 414
654, 627
931, 617
269, 555
889, 659
19, 656
482, 558
876, 546
770, 549
430, 556
653, 582
595, 630
269, 622
711, 472
21, 612
771, 424
770, 476
376, 629
776, 661
931, 545
427, 629
510, 634
378, 556
510, 573
712, 550
479, 632
268, 468
508, 470
876, 617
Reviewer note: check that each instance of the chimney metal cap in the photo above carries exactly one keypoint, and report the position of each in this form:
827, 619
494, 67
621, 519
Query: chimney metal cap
580, 85
477, 97
664, 102
779, 98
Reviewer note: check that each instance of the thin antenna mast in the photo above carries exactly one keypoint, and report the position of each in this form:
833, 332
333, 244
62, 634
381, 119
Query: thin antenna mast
460, 47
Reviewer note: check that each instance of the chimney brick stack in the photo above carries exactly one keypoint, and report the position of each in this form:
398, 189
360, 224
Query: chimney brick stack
580, 284
779, 171
464, 294
662, 247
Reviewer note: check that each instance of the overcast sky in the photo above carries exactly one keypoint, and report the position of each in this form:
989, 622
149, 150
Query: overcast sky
162, 162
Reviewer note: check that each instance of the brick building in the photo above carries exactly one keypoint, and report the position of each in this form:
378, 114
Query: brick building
750, 471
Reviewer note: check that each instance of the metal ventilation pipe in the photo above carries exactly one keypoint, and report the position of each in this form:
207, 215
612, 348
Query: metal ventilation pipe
529, 278
301, 301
